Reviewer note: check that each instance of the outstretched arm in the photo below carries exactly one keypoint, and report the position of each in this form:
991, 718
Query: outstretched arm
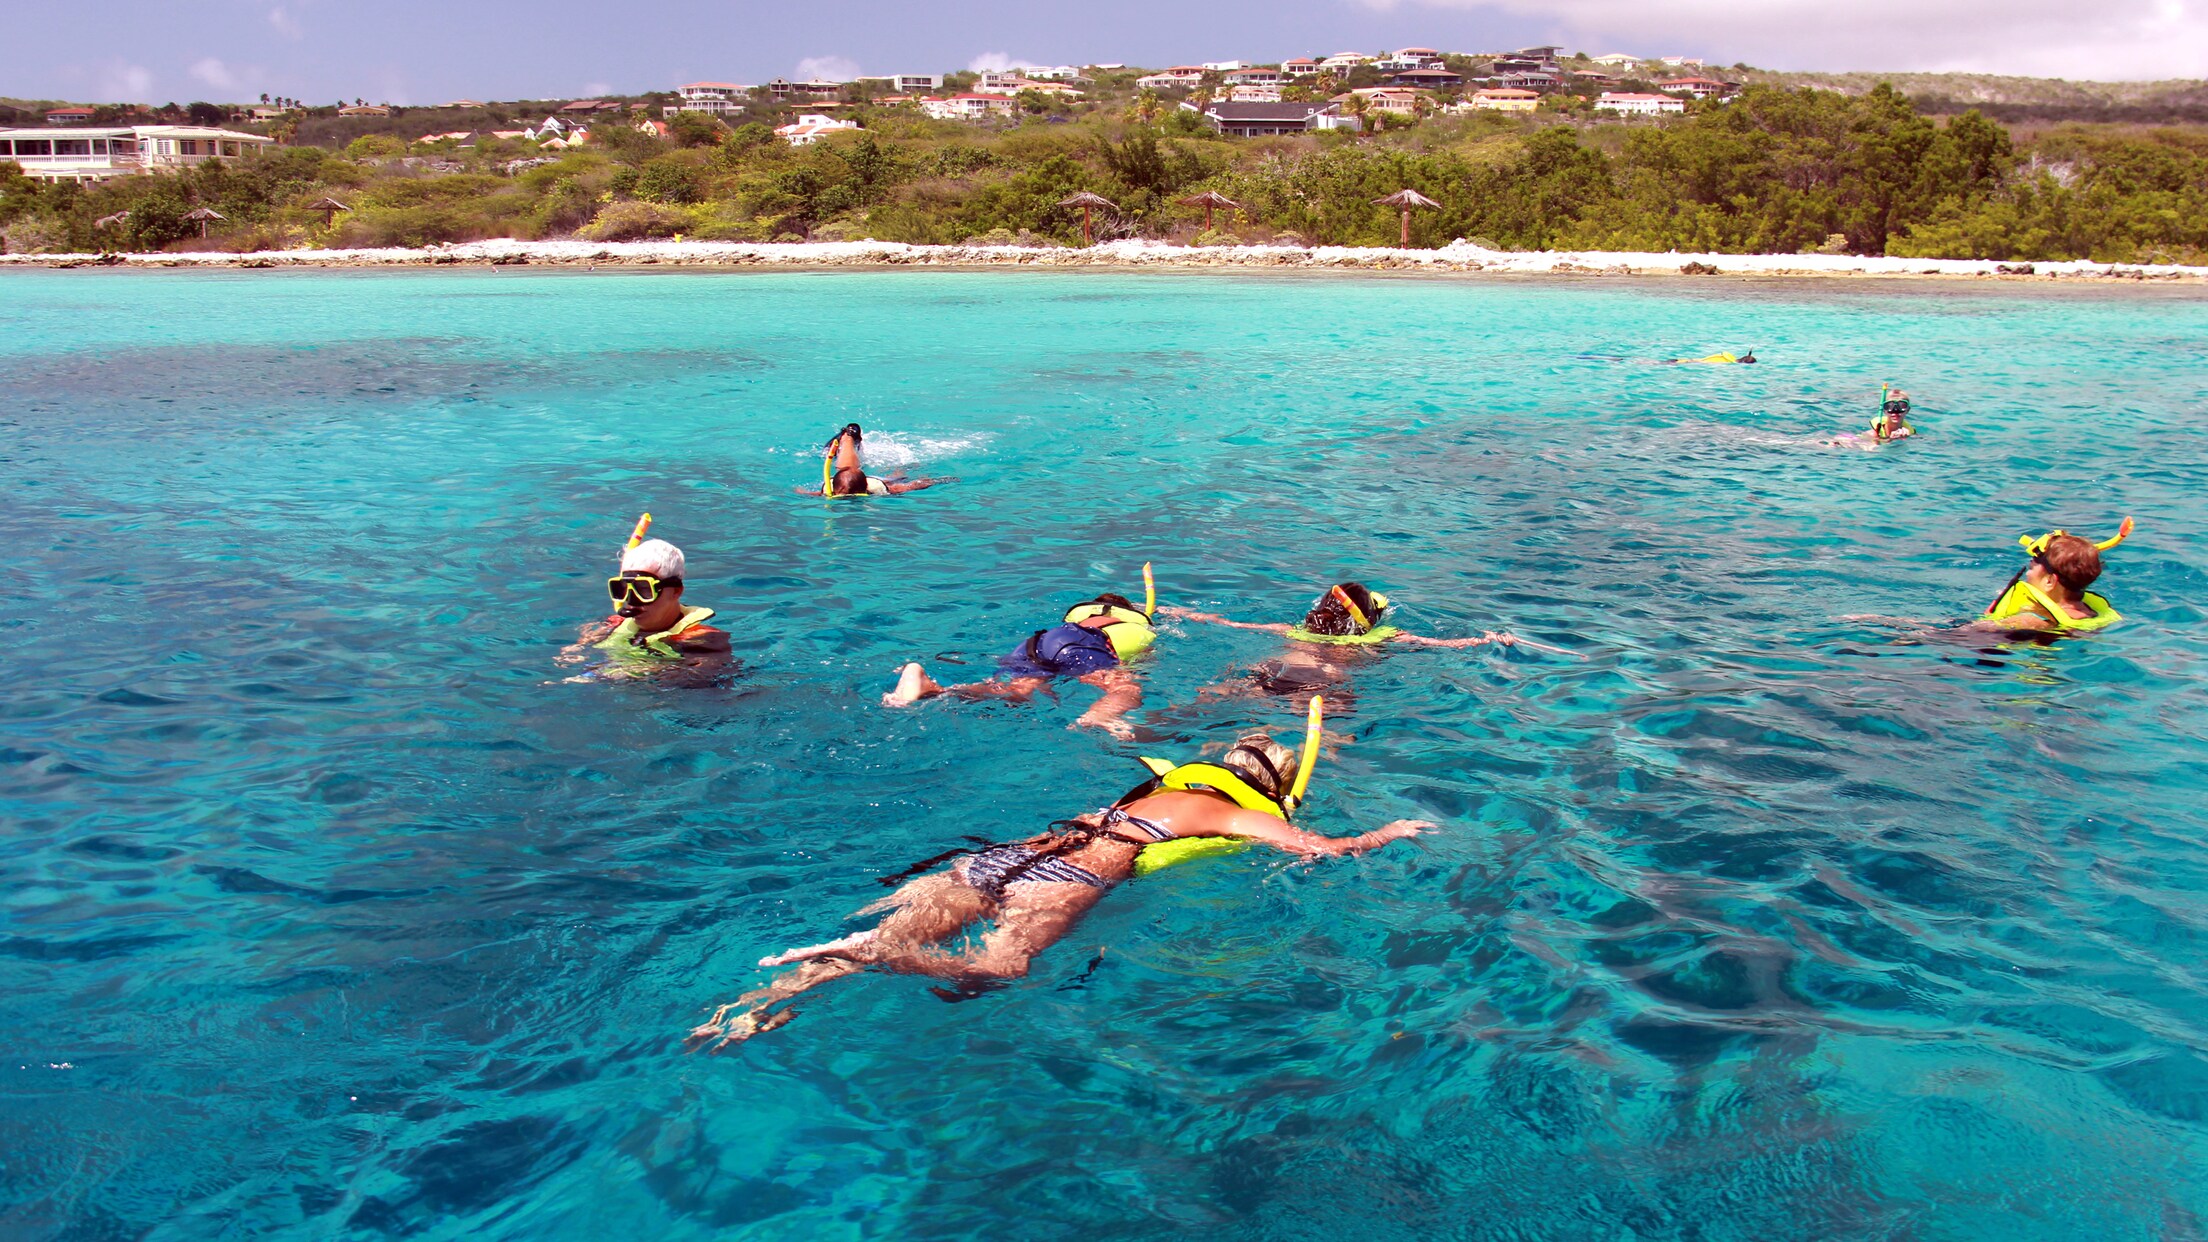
1417, 640
1213, 618
899, 488
1257, 826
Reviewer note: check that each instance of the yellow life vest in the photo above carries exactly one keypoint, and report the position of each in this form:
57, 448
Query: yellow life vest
2021, 595
1207, 777
626, 644
1720, 359
1129, 631
1377, 634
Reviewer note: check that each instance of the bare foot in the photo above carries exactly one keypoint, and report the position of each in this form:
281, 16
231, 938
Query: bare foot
832, 948
913, 685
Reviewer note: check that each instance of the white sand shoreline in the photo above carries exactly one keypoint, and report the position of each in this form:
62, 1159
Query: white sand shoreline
1456, 257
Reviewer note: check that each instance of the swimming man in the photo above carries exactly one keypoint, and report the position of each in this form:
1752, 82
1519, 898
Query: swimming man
1090, 645
651, 633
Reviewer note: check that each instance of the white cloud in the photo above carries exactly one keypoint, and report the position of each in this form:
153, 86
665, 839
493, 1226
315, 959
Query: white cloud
597, 88
285, 24
828, 68
2107, 40
995, 62
125, 83
214, 73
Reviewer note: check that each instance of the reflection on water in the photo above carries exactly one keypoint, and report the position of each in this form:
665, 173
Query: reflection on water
329, 909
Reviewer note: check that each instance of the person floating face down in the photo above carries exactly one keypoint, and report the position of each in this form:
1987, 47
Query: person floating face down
1034, 891
2049, 593
1345, 621
1091, 645
842, 475
1715, 360
652, 633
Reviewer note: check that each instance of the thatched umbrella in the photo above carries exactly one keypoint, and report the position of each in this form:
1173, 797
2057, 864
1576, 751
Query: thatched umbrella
116, 221
1208, 200
329, 207
1406, 199
1085, 201
203, 215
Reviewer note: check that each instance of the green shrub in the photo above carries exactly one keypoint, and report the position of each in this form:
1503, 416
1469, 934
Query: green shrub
668, 179
634, 222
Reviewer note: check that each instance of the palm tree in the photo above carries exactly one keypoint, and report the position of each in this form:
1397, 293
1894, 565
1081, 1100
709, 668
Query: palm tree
1147, 107
1406, 199
1085, 200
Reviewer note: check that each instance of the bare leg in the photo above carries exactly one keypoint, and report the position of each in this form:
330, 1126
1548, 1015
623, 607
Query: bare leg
913, 685
1032, 918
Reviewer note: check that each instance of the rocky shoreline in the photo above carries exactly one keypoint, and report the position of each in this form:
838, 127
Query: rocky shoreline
1458, 257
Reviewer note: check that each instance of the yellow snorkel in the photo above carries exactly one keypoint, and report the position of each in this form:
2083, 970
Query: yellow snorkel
1149, 592
636, 536
2036, 544
1312, 736
828, 468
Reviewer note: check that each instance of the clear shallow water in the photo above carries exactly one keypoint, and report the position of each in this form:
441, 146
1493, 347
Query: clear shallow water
328, 912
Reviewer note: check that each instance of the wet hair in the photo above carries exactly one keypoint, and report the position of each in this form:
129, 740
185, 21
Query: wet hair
2076, 562
1266, 764
1111, 600
1750, 356
850, 481
1327, 616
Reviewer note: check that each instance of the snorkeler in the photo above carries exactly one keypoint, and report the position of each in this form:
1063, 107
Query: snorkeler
1034, 891
1892, 422
842, 475
2049, 592
1090, 644
1324, 647
651, 633
1715, 360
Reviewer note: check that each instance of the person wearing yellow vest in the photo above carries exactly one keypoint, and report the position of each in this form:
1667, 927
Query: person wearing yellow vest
841, 474
2049, 592
1035, 891
652, 633
1347, 619
1715, 360
1091, 644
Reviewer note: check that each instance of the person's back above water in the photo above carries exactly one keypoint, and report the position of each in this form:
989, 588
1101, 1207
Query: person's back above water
2049, 593
841, 474
651, 631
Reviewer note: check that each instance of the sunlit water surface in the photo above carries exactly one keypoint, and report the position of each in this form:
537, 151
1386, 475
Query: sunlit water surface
329, 910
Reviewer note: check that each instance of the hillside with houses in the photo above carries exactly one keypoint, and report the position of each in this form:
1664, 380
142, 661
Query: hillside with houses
1521, 147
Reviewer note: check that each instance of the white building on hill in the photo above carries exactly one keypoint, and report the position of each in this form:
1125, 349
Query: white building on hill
51, 153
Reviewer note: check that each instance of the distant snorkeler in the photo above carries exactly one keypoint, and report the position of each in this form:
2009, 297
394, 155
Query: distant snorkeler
841, 474
1341, 626
1090, 644
1036, 890
1891, 424
2049, 592
1715, 360
651, 633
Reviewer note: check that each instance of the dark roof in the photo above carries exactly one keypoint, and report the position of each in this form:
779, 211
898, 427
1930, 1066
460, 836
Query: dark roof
1265, 111
1426, 75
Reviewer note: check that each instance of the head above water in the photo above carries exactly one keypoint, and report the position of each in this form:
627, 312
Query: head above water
2070, 560
649, 587
1347, 609
849, 481
1750, 356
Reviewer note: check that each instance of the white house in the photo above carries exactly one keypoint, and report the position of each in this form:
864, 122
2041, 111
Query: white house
1224, 66
1255, 75
1171, 79
968, 107
1632, 104
95, 154
811, 127
1253, 94
1341, 61
907, 83
1300, 67
1051, 73
711, 98
1700, 88
1012, 83
1683, 62
1617, 60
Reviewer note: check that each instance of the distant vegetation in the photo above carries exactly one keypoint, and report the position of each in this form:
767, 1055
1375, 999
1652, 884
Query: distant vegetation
1773, 171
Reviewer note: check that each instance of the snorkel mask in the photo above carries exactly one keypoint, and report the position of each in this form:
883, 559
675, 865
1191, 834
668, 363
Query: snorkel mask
1357, 615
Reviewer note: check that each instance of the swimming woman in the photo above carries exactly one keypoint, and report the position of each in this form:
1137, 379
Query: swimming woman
2049, 592
1090, 645
1331, 640
1035, 891
842, 475
1890, 425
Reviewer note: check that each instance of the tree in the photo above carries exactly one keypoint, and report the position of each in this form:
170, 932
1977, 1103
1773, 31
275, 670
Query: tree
200, 112
694, 129
668, 179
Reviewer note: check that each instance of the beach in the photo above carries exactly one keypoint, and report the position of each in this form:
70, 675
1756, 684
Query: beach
1457, 257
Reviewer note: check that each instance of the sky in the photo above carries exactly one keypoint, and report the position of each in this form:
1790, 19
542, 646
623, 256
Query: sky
429, 51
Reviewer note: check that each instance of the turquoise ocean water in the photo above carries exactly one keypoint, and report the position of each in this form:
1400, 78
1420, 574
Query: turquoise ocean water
330, 911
